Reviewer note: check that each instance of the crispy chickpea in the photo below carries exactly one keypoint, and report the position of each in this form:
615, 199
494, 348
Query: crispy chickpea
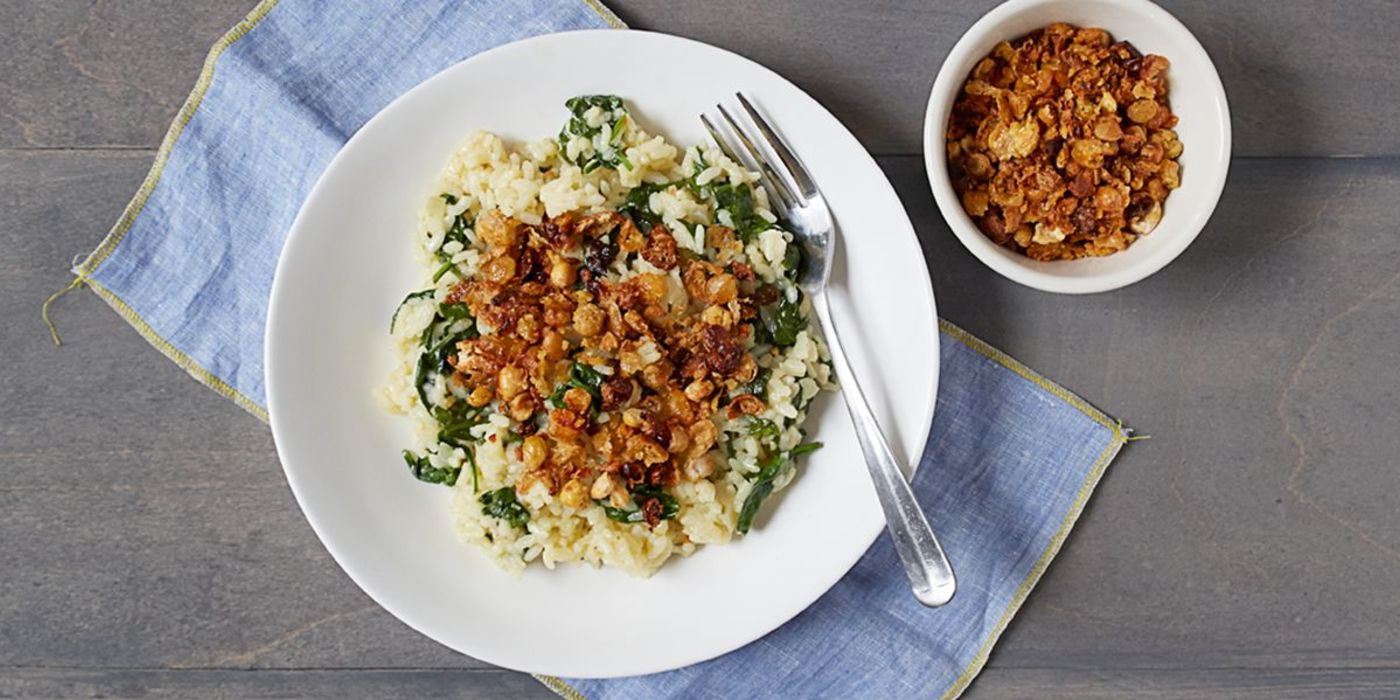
630, 238
528, 328
602, 487
497, 230
700, 468
510, 382
717, 316
574, 494
722, 288
680, 440
588, 320
702, 436
748, 369
655, 375
533, 452
521, 408
499, 270
652, 287
562, 273
634, 418
577, 400
480, 396
699, 389
745, 405
646, 450
552, 344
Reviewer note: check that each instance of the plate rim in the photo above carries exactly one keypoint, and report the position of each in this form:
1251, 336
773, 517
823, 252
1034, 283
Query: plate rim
301, 491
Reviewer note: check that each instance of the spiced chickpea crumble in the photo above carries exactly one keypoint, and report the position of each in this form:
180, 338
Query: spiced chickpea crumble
612, 363
1062, 144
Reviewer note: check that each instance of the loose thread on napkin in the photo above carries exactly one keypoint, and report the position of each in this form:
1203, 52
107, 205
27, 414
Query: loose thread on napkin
44, 309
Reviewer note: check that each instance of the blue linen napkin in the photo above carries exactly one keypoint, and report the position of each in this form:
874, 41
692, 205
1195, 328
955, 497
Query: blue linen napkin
1010, 463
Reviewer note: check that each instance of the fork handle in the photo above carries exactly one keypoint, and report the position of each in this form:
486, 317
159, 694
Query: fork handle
930, 574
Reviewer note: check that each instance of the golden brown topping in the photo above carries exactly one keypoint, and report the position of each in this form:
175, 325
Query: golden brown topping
641, 448
702, 436
665, 363
574, 494
562, 272
565, 424
1059, 133
497, 230
480, 396
699, 389
552, 345
588, 320
660, 248
600, 223
602, 487
510, 382
680, 440
533, 452
722, 289
521, 408
529, 479
498, 270
616, 392
745, 405
630, 238
657, 376
577, 400
700, 468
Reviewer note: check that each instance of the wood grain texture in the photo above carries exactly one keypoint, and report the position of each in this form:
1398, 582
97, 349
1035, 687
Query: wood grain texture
1304, 77
146, 525
150, 547
1042, 684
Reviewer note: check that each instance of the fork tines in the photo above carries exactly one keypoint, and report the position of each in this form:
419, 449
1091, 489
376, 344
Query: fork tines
783, 177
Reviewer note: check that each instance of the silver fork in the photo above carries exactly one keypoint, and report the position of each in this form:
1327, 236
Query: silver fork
796, 197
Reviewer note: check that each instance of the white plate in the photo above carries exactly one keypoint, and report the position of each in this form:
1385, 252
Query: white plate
348, 262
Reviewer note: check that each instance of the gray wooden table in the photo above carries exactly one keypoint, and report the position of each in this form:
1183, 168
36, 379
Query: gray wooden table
149, 546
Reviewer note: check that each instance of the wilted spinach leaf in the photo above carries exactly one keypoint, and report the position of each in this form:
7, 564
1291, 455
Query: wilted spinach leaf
502, 504
422, 469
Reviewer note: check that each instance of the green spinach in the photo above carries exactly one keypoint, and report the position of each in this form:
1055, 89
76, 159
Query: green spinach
670, 507
784, 321
772, 468
502, 504
393, 320
578, 125
758, 386
583, 377
423, 470
738, 201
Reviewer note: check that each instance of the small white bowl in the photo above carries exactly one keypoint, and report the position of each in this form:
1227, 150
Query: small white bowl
1197, 98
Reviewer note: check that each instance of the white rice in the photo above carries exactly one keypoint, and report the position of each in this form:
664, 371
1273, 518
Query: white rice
536, 180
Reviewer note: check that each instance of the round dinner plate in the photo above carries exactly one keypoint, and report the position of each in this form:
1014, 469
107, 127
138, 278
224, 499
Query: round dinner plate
348, 261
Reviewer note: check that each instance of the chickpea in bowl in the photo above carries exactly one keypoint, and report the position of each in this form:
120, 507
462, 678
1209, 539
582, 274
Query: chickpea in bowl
1061, 145
1077, 146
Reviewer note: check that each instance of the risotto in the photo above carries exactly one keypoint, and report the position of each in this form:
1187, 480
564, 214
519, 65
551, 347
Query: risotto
608, 360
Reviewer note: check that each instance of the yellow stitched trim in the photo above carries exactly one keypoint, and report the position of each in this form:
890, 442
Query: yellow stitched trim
44, 309
1076, 508
562, 689
133, 209
613, 20
182, 118
1028, 374
170, 351
85, 269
